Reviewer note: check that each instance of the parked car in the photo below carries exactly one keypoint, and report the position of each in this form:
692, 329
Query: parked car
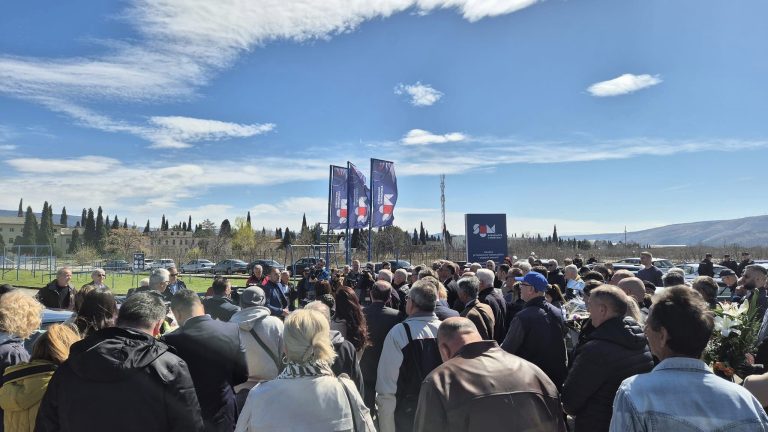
164, 263
266, 264
692, 272
197, 266
148, 263
50, 317
116, 265
662, 264
230, 266
394, 265
302, 263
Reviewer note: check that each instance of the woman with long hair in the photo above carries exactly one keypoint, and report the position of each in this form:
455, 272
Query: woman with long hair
306, 396
98, 311
349, 318
26, 383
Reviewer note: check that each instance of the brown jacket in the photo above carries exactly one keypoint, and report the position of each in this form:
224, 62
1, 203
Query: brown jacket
483, 388
482, 316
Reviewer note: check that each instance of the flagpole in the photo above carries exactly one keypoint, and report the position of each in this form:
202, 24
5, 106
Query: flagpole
370, 213
348, 242
328, 225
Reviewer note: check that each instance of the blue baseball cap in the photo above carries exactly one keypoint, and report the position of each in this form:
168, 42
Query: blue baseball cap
536, 280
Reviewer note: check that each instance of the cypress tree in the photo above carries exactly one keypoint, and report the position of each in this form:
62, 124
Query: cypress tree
115, 223
107, 223
286, 238
89, 235
422, 234
74, 243
29, 232
225, 230
162, 223
63, 219
415, 238
183, 226
554, 235
2, 244
101, 230
45, 233
146, 228
304, 226
125, 223
189, 223
83, 217
248, 218
21, 211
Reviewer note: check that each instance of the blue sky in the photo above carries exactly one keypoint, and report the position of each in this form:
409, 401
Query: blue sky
589, 114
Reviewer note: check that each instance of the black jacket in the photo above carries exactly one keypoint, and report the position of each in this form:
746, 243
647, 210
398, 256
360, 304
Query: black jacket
490, 297
557, 278
120, 380
742, 265
706, 268
537, 334
731, 264
380, 320
216, 360
453, 292
443, 312
54, 297
220, 308
610, 353
346, 360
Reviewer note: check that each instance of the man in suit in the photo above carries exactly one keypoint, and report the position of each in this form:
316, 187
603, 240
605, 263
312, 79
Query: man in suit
221, 306
277, 302
380, 320
215, 356
479, 313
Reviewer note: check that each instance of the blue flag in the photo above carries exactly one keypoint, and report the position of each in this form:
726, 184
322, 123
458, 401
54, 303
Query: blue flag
383, 192
338, 204
359, 199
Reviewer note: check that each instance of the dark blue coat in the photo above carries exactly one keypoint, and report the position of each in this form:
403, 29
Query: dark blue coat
216, 360
275, 299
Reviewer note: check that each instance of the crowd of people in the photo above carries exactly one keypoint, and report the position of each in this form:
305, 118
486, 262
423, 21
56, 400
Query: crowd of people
439, 347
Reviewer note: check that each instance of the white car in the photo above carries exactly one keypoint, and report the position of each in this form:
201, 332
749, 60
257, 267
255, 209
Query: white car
662, 264
197, 266
692, 272
161, 263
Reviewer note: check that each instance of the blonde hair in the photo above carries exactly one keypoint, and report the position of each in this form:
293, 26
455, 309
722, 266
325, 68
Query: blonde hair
306, 336
20, 314
54, 344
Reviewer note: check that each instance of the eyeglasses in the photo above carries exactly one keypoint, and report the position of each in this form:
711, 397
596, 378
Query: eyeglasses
173, 274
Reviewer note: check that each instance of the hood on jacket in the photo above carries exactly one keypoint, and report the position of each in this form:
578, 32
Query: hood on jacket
114, 354
621, 331
336, 337
22, 393
246, 318
7, 338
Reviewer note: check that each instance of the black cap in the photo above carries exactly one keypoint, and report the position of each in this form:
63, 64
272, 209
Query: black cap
727, 272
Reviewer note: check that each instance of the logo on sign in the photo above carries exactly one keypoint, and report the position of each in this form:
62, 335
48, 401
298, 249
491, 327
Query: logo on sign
483, 230
387, 208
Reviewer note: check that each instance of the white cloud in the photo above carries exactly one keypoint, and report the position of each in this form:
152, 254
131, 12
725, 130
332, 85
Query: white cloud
85, 164
182, 44
421, 94
421, 137
627, 83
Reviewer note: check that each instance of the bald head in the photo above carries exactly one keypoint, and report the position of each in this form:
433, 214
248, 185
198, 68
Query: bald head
634, 287
620, 275
454, 333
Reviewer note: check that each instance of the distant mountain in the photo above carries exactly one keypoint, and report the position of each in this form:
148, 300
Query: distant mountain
71, 219
748, 231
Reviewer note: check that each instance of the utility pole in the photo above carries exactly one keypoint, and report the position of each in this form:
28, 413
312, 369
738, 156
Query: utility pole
442, 210
625, 234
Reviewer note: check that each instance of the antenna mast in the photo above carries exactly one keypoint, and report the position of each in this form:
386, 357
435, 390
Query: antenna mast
442, 210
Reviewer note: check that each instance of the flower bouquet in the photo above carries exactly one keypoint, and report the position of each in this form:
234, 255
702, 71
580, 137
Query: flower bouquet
733, 338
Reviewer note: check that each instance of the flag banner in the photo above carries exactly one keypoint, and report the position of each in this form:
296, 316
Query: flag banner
383, 192
338, 202
359, 198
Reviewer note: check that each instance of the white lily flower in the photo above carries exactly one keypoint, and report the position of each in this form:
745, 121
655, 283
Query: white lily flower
726, 325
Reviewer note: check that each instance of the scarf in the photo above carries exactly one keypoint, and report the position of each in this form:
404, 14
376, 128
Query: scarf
311, 368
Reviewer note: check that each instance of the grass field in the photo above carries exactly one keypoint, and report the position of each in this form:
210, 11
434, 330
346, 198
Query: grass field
120, 283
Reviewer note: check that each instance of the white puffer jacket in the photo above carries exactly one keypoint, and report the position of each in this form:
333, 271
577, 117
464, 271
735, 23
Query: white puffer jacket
261, 367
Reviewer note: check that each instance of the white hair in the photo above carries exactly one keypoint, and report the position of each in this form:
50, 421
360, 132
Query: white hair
97, 271
485, 276
402, 272
157, 277
525, 266
571, 268
385, 275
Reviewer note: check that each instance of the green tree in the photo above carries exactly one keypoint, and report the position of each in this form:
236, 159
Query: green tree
422, 234
125, 223
83, 217
89, 234
248, 219
45, 231
225, 230
107, 223
189, 223
115, 223
21, 211
286, 238
554, 235
75, 242
2, 244
304, 226
29, 232
146, 228
101, 231
162, 223
63, 218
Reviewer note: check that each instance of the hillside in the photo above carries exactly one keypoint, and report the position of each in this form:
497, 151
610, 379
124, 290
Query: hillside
748, 231
71, 219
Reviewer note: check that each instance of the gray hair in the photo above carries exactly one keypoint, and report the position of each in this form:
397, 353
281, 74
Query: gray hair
61, 271
570, 268
553, 262
470, 286
523, 265
455, 326
142, 310
157, 277
385, 275
423, 295
756, 268
321, 307
486, 276
402, 272
97, 270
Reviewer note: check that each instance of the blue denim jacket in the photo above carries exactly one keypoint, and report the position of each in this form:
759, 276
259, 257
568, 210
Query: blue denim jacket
683, 395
